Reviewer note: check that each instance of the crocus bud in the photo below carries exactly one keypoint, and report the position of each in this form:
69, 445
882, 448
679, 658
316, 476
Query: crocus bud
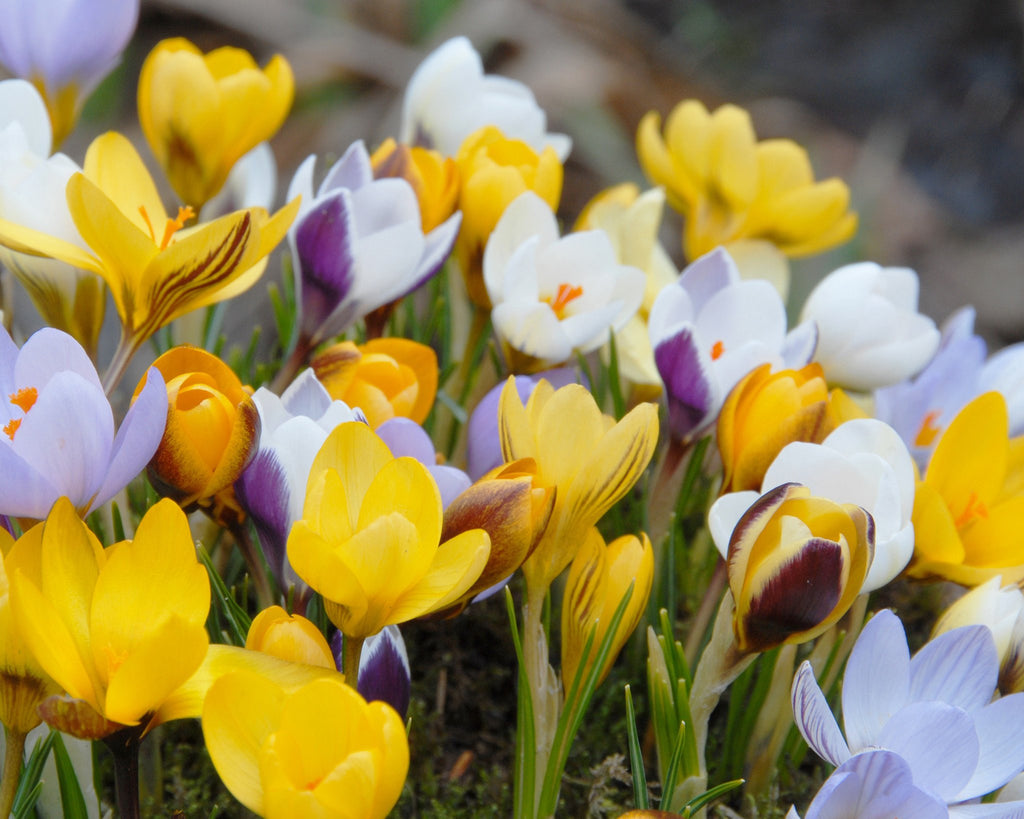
289, 636
598, 580
385, 378
433, 177
796, 564
213, 426
512, 505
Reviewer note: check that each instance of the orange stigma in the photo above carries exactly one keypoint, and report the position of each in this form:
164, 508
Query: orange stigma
11, 427
172, 226
566, 293
929, 429
25, 398
975, 508
716, 350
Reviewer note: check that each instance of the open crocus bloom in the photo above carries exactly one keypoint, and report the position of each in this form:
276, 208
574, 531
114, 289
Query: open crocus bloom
863, 462
709, 330
58, 434
870, 333
554, 296
358, 243
935, 710
449, 97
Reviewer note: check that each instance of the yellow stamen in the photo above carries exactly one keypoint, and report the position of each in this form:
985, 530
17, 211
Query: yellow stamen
25, 398
975, 509
716, 350
929, 429
11, 427
566, 293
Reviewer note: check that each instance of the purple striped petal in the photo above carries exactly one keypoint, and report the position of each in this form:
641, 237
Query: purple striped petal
263, 491
814, 717
877, 679
383, 668
688, 384
324, 248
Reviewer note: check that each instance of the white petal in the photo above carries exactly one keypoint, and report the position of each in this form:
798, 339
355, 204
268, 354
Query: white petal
877, 679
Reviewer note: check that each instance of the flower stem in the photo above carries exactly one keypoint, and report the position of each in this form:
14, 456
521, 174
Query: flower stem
126, 348
124, 746
290, 367
254, 560
350, 662
12, 770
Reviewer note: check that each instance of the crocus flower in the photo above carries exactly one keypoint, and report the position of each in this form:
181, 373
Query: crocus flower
383, 668
32, 185
495, 170
598, 579
59, 437
729, 186
272, 488
369, 538
590, 460
969, 509
65, 49
119, 629
552, 297
289, 636
796, 563
935, 710
434, 178
154, 274
449, 97
863, 462
709, 330
870, 333
358, 243
213, 426
202, 112
385, 378
318, 750
406, 438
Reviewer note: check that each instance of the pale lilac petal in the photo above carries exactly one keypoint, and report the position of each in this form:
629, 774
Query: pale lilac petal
26, 493
85, 39
939, 743
709, 274
1002, 752
877, 680
352, 171
47, 352
814, 718
451, 481
406, 438
994, 810
8, 358
959, 667
438, 247
305, 396
137, 439
799, 346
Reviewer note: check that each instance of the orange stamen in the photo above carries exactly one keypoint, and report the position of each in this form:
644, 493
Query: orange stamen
975, 509
11, 427
566, 293
716, 350
25, 398
172, 226
929, 429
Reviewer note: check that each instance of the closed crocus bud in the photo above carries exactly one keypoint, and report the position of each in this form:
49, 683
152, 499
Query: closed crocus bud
213, 426
201, 112
763, 413
598, 580
495, 170
385, 378
434, 178
796, 564
513, 507
289, 636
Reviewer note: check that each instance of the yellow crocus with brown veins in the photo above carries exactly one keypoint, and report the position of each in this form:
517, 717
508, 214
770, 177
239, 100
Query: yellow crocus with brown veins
969, 509
156, 270
729, 186
202, 112
591, 460
369, 540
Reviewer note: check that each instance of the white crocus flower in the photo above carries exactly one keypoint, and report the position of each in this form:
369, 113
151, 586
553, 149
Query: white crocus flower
449, 97
870, 333
552, 296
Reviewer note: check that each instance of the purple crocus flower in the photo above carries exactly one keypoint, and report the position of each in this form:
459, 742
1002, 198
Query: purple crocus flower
272, 489
709, 329
58, 428
935, 710
383, 668
358, 244
405, 437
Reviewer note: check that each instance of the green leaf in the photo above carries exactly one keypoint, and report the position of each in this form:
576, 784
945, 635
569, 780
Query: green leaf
30, 784
232, 619
526, 754
71, 799
703, 799
636, 757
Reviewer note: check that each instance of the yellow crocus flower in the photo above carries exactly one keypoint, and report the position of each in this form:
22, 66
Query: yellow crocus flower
317, 750
289, 636
729, 186
495, 170
202, 112
369, 538
155, 270
591, 460
969, 509
598, 579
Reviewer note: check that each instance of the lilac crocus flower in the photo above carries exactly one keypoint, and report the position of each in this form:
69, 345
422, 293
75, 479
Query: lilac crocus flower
406, 438
272, 489
935, 710
59, 437
65, 47
383, 668
358, 244
709, 329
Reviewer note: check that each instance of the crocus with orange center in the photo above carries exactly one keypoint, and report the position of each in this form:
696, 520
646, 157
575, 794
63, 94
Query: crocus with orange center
385, 378
969, 508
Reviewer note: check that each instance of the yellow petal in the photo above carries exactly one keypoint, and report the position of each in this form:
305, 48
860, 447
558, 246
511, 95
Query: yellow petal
114, 166
405, 486
732, 156
357, 454
322, 565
